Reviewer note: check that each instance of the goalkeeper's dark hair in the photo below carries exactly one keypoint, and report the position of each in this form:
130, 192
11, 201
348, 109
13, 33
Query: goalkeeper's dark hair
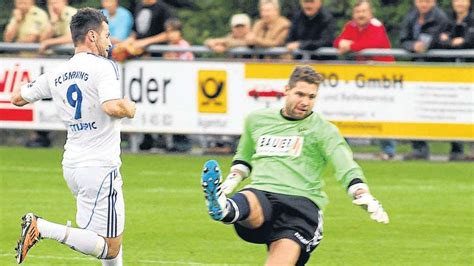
83, 21
305, 73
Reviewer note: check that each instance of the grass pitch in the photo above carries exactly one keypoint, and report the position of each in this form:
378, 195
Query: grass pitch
430, 207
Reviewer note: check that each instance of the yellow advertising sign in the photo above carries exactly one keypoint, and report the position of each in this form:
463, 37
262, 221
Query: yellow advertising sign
212, 91
407, 73
406, 130
400, 100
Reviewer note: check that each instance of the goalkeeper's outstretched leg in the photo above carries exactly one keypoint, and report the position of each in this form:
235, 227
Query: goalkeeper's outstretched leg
251, 212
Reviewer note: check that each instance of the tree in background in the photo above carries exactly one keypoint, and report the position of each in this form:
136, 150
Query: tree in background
210, 18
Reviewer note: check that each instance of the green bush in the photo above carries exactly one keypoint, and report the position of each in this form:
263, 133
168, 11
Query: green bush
210, 18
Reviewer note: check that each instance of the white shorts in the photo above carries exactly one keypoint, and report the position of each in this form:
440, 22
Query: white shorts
99, 199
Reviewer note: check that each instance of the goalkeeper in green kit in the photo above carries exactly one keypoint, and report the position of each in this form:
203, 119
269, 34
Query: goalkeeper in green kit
284, 152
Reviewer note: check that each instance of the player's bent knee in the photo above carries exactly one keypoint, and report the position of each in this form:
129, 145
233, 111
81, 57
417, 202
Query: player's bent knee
283, 252
113, 245
256, 217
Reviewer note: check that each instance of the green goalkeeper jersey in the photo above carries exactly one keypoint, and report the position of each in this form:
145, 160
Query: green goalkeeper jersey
289, 156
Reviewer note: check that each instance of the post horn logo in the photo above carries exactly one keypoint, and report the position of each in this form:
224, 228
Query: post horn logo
212, 91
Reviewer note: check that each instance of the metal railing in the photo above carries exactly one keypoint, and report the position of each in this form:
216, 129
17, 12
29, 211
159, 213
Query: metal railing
245, 51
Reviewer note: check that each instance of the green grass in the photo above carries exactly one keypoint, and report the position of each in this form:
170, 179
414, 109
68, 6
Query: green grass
404, 147
430, 206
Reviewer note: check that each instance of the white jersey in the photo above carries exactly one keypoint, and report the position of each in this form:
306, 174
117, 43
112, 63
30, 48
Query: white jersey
78, 88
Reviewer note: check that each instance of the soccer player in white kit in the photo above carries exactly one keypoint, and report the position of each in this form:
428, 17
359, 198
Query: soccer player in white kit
86, 92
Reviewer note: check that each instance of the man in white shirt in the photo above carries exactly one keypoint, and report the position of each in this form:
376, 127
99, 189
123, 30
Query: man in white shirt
87, 95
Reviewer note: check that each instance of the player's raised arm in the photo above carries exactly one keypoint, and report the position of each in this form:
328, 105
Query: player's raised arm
31, 92
119, 108
349, 173
16, 98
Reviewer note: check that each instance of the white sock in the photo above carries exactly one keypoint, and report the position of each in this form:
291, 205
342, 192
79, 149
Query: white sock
51, 230
117, 261
82, 240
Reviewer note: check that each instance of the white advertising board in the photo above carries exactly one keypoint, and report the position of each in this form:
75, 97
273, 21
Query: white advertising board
196, 97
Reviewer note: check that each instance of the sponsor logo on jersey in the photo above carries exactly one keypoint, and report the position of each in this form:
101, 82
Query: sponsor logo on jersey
279, 145
212, 91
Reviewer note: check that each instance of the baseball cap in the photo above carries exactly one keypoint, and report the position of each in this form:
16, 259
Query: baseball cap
240, 19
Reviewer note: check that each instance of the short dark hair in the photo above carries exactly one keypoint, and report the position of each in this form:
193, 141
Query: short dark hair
360, 2
84, 20
174, 24
305, 73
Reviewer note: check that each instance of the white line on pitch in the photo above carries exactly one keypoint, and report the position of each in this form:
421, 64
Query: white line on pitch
92, 259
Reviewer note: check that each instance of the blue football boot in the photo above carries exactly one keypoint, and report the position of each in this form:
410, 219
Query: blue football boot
211, 182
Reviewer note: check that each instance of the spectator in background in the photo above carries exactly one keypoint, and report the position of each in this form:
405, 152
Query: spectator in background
240, 27
422, 27
271, 29
58, 31
120, 20
150, 18
460, 33
173, 26
175, 37
421, 30
313, 28
148, 29
362, 32
26, 23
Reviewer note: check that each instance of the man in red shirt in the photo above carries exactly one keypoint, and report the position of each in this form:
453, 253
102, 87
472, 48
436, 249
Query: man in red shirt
362, 32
